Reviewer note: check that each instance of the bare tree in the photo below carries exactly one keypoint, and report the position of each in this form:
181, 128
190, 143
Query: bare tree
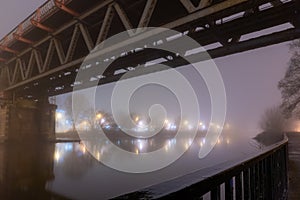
272, 120
75, 116
290, 84
273, 124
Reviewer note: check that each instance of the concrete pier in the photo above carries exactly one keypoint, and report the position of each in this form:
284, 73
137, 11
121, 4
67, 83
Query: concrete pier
27, 120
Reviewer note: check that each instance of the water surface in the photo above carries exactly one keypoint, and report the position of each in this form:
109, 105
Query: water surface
67, 170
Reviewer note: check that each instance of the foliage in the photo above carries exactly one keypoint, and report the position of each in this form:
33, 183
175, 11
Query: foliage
290, 84
75, 116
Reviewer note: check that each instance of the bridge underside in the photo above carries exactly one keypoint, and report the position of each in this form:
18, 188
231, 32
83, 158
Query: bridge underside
46, 63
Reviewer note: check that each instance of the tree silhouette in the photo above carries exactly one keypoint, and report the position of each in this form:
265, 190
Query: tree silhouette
290, 84
272, 120
75, 116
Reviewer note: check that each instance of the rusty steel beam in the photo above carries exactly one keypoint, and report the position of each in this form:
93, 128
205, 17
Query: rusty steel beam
62, 6
22, 39
7, 49
41, 26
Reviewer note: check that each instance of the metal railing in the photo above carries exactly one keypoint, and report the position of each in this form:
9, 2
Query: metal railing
262, 177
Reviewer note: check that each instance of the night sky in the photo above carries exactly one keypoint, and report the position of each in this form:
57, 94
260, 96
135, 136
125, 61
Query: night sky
250, 78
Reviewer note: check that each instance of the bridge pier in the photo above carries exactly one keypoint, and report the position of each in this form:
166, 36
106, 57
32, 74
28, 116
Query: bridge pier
26, 120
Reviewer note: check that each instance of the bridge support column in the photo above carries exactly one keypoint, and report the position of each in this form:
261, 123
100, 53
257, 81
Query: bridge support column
27, 120
46, 115
3, 122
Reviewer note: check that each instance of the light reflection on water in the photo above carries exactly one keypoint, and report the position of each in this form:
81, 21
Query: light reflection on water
38, 171
94, 180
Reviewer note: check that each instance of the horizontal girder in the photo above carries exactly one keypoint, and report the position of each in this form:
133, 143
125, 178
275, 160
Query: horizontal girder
47, 55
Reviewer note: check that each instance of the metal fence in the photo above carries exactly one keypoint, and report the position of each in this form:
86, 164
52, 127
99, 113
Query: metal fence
262, 177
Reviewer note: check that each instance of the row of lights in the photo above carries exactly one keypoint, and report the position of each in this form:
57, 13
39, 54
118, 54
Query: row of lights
141, 124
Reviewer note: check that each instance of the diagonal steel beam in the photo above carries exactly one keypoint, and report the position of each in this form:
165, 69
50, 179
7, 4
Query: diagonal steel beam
105, 25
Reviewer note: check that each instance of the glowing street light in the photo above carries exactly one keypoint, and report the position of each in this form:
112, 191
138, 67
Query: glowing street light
59, 115
99, 116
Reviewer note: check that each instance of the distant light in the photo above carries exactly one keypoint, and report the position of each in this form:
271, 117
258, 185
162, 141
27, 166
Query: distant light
166, 148
141, 123
201, 144
98, 155
186, 146
141, 146
102, 121
137, 119
83, 149
107, 127
68, 147
99, 116
59, 115
186, 122
57, 156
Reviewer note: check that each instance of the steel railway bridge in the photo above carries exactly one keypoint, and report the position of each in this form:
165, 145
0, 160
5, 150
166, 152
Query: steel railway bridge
44, 52
42, 55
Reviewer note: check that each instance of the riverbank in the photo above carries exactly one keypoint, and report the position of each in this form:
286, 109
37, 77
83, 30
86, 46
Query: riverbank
67, 137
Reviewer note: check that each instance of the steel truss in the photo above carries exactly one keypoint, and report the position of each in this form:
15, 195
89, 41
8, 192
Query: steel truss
51, 62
